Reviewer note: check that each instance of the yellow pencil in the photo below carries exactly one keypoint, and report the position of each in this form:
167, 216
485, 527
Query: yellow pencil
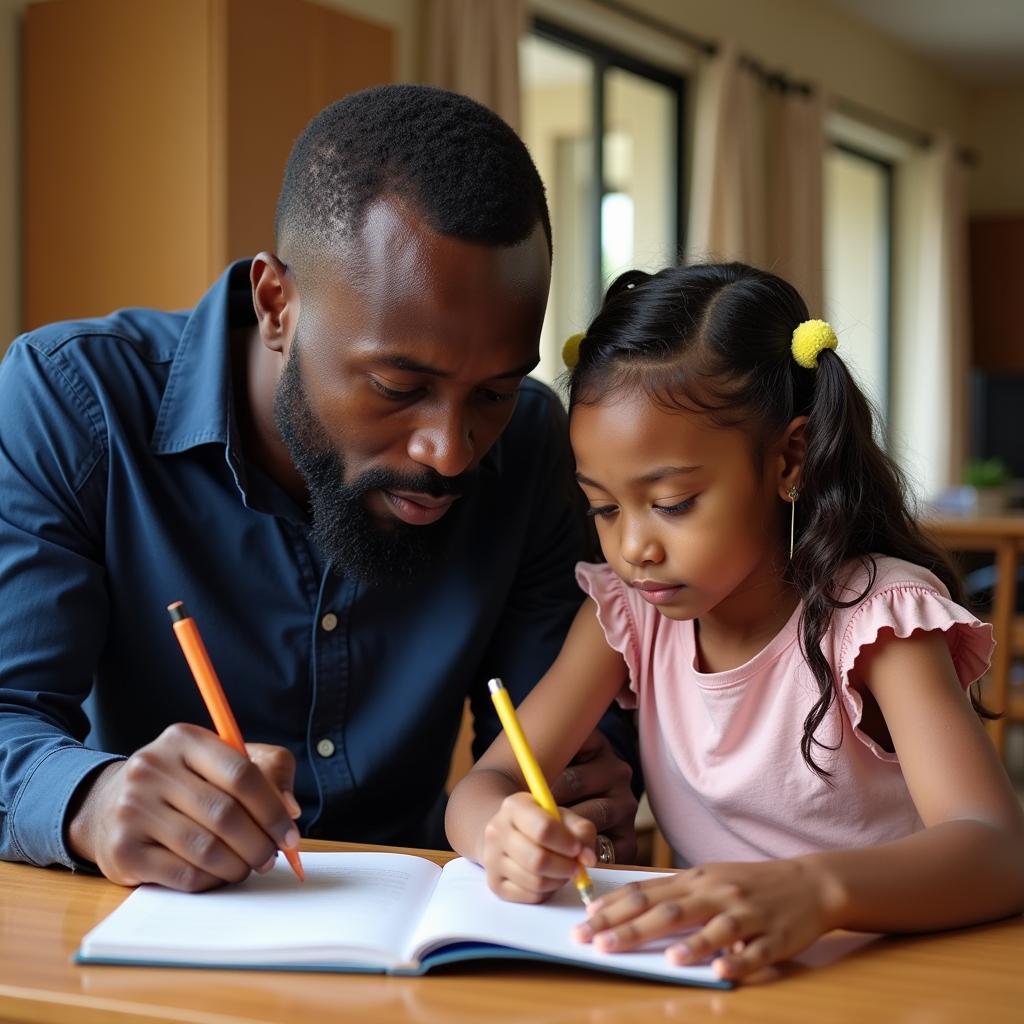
532, 773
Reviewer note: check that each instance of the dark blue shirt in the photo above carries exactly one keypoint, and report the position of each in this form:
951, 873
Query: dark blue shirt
123, 487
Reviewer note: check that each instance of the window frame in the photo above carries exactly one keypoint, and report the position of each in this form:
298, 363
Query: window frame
887, 263
603, 58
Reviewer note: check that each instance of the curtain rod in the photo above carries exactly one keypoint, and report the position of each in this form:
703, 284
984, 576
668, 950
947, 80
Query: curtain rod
777, 80
917, 136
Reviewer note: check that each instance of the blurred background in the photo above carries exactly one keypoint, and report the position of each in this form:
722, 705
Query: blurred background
872, 151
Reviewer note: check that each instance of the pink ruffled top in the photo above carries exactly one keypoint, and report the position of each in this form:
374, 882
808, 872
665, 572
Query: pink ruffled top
721, 751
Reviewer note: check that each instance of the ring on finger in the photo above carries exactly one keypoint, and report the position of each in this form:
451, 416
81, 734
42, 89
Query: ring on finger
605, 850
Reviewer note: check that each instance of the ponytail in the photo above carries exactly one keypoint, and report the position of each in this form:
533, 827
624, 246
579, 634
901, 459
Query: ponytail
853, 500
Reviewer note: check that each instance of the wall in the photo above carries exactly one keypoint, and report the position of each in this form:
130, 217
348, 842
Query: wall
846, 58
403, 14
997, 119
10, 229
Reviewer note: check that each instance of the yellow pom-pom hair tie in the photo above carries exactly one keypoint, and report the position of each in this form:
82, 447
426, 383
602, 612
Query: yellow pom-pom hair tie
810, 339
571, 350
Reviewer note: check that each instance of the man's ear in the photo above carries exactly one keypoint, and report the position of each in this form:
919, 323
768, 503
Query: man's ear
792, 450
275, 298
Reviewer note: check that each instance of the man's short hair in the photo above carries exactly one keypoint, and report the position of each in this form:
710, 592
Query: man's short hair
461, 166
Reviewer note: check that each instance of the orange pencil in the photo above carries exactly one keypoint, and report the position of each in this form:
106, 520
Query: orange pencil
192, 646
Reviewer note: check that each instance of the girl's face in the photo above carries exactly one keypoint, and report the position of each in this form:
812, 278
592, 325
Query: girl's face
681, 511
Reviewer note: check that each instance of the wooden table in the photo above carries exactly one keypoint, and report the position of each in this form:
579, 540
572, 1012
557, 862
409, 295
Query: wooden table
1004, 536
969, 975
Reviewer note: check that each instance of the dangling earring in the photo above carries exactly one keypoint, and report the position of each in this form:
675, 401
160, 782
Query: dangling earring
793, 494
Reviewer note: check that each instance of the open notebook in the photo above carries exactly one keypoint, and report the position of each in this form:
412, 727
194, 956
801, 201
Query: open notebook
372, 912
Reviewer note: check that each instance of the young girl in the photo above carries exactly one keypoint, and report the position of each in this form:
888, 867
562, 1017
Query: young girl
799, 667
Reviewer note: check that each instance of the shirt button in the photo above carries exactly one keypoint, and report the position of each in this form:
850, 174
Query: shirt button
329, 622
325, 748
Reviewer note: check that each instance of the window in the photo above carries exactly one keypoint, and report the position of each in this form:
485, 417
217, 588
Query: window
605, 131
858, 265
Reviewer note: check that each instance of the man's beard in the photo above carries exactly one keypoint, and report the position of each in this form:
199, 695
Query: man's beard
350, 539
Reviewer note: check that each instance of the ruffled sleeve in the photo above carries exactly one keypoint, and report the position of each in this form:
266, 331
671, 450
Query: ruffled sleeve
599, 582
904, 609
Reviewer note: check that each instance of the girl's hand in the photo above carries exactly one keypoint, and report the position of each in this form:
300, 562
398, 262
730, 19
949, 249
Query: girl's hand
755, 914
528, 855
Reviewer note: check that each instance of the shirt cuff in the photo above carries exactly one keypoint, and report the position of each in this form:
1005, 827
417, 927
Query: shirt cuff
38, 811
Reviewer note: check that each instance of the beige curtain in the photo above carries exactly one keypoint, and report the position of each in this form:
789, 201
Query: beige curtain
727, 196
796, 163
756, 188
932, 350
473, 48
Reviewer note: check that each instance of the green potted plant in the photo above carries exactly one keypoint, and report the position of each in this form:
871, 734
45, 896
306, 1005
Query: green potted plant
990, 479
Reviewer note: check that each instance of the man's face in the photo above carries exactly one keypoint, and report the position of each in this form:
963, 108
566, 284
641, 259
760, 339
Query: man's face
404, 369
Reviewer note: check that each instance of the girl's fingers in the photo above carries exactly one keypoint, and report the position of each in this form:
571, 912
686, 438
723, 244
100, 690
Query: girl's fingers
721, 932
625, 926
635, 898
522, 878
537, 859
584, 832
512, 893
734, 965
526, 817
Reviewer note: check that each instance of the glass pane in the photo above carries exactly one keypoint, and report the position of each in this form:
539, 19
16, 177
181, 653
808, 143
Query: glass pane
857, 266
638, 226
557, 114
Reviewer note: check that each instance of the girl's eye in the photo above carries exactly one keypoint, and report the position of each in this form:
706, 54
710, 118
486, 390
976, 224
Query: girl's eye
602, 511
395, 394
678, 508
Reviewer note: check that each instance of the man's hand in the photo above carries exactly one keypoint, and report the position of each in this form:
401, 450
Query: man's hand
596, 787
187, 811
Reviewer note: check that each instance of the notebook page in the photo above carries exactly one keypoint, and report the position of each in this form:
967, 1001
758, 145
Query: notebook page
352, 907
464, 909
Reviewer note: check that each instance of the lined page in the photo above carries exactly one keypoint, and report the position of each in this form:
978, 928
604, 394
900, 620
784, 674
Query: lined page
352, 907
463, 909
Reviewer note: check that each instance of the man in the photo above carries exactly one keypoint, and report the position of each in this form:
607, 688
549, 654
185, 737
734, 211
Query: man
336, 462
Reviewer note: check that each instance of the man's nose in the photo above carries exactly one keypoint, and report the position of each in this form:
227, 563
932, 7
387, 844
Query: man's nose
445, 444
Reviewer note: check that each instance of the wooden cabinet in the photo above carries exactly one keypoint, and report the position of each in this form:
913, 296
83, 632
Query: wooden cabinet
155, 134
997, 293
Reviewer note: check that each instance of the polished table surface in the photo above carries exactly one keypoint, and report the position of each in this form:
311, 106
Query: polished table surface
976, 974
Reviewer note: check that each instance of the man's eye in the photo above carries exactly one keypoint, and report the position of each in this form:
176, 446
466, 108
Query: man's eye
602, 511
395, 394
499, 396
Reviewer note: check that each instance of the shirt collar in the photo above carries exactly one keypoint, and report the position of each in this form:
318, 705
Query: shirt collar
196, 405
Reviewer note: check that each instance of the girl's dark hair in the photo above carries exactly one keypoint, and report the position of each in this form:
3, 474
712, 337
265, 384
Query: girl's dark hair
717, 338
